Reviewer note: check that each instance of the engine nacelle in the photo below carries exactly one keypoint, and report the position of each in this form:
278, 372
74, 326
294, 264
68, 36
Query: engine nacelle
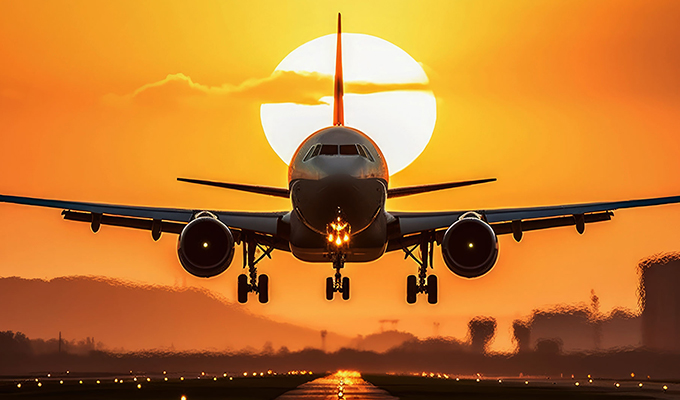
206, 246
470, 247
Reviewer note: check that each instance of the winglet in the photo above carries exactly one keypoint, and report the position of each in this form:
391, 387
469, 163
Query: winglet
338, 106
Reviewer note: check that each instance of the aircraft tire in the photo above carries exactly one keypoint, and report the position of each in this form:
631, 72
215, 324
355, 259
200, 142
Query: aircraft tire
330, 288
432, 289
345, 288
243, 289
411, 292
263, 288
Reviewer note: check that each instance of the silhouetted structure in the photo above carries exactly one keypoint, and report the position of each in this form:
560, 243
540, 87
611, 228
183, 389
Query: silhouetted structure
660, 301
481, 331
570, 325
521, 335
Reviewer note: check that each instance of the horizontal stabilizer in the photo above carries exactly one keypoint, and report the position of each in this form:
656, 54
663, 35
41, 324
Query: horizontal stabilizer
411, 190
268, 190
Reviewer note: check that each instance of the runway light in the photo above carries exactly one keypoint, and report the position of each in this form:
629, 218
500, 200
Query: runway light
617, 384
120, 381
526, 382
139, 386
68, 372
148, 379
477, 379
181, 378
19, 385
588, 376
231, 378
164, 372
98, 382
500, 381
39, 384
61, 382
640, 384
215, 378
135, 379
632, 374
166, 378
225, 375
590, 381
36, 379
183, 397
457, 379
576, 384
665, 388
49, 375
245, 374
115, 380
81, 382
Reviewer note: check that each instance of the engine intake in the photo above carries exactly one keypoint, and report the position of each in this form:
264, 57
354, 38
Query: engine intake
206, 246
470, 247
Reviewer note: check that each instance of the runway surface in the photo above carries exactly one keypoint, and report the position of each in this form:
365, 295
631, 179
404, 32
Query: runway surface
339, 386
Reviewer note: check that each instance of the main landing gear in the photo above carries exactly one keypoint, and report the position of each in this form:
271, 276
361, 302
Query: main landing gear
251, 282
337, 283
422, 283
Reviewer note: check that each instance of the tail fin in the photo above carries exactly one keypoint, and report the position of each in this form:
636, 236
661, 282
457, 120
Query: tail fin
338, 106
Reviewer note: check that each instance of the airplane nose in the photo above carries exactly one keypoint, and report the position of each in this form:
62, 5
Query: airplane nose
317, 201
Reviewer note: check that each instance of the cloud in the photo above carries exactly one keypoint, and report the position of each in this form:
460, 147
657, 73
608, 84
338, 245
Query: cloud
280, 87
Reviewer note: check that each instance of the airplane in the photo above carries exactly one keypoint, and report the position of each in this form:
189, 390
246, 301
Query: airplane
338, 183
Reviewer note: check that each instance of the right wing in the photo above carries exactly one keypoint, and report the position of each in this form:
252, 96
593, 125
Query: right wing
141, 217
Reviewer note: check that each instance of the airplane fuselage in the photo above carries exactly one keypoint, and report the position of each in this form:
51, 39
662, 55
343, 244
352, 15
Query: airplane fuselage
338, 174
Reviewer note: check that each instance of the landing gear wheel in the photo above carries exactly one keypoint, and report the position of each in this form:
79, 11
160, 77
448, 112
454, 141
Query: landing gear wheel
345, 288
263, 288
330, 288
243, 288
411, 289
432, 290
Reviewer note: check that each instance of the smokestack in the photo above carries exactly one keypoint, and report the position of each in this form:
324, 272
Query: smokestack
323, 340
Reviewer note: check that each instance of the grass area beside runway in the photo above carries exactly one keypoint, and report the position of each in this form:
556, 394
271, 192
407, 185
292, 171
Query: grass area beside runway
240, 388
422, 388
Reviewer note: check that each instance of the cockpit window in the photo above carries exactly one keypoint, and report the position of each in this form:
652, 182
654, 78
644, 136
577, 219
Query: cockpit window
348, 150
334, 149
309, 153
368, 153
329, 149
362, 152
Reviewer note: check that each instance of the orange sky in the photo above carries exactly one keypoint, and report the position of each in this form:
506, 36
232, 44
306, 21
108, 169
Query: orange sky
571, 101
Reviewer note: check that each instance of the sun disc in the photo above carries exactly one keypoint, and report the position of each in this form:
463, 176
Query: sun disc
401, 122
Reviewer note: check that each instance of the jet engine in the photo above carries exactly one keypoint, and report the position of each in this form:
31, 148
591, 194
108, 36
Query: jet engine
206, 246
470, 246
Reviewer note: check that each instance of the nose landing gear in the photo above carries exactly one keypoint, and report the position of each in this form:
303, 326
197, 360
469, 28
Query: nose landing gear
337, 283
338, 235
422, 283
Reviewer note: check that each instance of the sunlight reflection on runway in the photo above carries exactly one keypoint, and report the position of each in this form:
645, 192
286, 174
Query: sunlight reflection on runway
339, 386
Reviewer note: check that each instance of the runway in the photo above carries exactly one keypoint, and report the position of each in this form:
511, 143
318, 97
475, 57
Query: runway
339, 386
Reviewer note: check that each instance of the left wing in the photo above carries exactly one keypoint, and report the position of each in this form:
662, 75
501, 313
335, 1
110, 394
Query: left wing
530, 218
144, 217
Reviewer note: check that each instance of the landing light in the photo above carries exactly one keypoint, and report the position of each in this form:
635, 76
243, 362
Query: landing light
471, 245
205, 245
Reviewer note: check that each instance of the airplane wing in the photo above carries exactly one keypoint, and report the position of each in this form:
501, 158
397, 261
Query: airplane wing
168, 219
530, 218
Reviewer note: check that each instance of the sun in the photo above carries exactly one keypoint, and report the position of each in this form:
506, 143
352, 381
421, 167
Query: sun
401, 122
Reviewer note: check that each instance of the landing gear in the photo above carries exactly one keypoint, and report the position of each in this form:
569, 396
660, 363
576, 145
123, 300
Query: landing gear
422, 283
251, 282
337, 283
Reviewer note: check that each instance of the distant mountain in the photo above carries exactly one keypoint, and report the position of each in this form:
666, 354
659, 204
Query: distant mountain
129, 317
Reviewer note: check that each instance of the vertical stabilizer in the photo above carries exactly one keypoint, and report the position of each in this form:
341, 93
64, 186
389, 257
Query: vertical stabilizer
338, 105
